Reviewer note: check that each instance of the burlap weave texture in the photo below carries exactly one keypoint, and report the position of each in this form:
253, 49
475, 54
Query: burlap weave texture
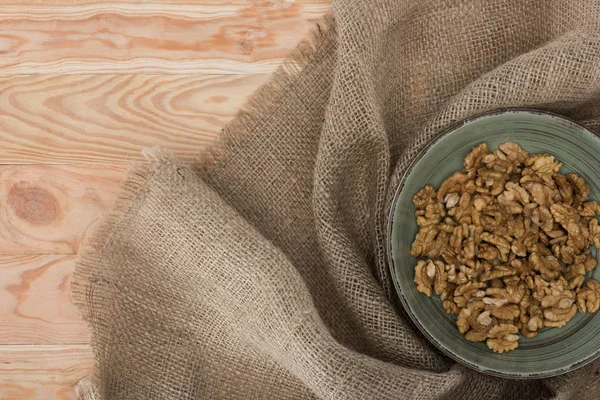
260, 272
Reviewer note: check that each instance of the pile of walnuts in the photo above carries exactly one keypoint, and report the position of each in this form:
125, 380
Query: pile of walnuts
505, 245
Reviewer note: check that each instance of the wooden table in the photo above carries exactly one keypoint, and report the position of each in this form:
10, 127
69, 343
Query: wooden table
84, 86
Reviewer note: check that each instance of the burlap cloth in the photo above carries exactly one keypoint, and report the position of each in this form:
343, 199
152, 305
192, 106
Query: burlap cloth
259, 272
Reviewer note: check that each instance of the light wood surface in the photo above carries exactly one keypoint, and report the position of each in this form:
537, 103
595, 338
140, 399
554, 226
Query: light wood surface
42, 372
47, 209
151, 38
106, 118
35, 303
85, 85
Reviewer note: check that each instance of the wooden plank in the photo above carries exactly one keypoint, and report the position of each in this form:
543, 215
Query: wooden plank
47, 209
35, 301
152, 38
220, 3
43, 372
73, 118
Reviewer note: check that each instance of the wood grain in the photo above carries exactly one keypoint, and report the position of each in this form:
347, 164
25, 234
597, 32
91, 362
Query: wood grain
172, 3
107, 118
84, 86
35, 301
48, 209
254, 37
42, 372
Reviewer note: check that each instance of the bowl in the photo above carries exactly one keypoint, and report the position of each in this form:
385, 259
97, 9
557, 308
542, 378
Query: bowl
553, 351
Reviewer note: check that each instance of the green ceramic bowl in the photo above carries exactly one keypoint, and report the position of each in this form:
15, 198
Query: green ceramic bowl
555, 350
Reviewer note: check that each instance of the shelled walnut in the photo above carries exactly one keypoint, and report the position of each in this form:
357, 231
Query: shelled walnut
505, 245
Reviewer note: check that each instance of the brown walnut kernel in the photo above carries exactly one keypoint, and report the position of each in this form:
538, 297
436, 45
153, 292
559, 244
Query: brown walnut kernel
505, 245
588, 299
502, 338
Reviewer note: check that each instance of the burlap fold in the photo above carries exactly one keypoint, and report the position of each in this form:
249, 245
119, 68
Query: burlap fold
259, 271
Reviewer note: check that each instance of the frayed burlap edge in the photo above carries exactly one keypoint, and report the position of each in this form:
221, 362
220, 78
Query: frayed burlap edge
265, 99
90, 256
86, 390
262, 102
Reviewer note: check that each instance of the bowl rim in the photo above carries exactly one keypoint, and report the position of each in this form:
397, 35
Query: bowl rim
391, 264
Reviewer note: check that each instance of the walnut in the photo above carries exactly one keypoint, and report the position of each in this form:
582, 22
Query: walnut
493, 181
526, 300
507, 312
450, 256
505, 245
523, 267
438, 245
543, 164
569, 219
467, 274
558, 317
447, 228
557, 286
518, 248
511, 280
495, 301
518, 227
480, 329
567, 254
465, 292
432, 215
575, 275
590, 209
561, 300
515, 291
539, 287
462, 213
458, 234
514, 191
514, 152
480, 202
564, 188
423, 241
469, 187
498, 271
484, 318
474, 160
452, 184
468, 250
425, 196
467, 317
424, 274
548, 266
502, 338
590, 262
512, 206
534, 321
451, 200
488, 252
441, 277
501, 243
493, 219
588, 299
561, 239
541, 194
447, 297
529, 177
498, 161
542, 217
557, 304
451, 271
504, 303
594, 232
581, 188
